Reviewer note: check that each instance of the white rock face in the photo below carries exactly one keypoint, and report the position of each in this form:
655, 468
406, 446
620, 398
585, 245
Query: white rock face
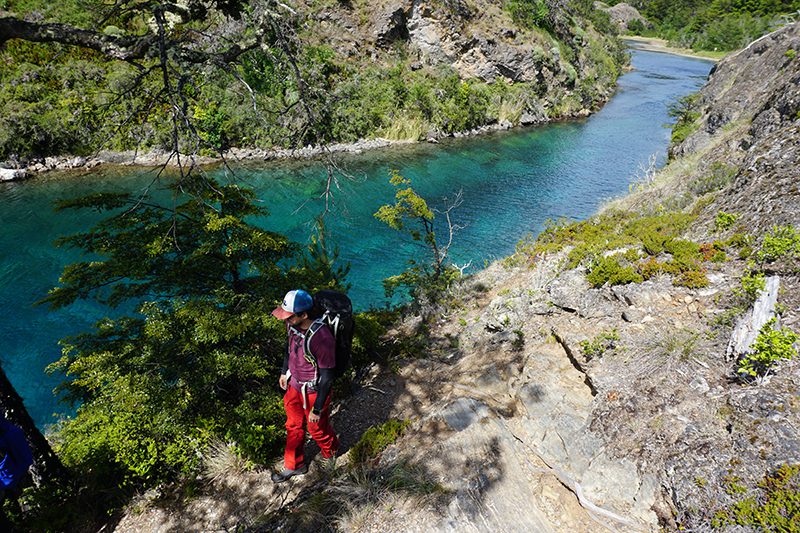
623, 14
12, 174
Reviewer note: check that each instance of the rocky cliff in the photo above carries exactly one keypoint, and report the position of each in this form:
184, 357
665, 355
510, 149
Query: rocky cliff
539, 401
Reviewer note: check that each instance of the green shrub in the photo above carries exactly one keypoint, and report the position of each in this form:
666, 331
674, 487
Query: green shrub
636, 27
724, 221
779, 242
692, 279
599, 345
654, 231
609, 270
376, 439
775, 507
771, 345
685, 114
751, 284
717, 177
528, 13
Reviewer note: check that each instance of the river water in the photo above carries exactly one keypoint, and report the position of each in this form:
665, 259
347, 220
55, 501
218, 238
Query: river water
511, 182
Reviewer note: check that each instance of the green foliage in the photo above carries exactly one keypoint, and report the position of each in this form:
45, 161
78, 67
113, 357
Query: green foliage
774, 507
751, 284
724, 221
779, 242
717, 177
685, 114
610, 270
210, 124
528, 13
636, 27
376, 439
717, 25
790, 54
605, 341
655, 235
411, 213
198, 354
771, 346
60, 100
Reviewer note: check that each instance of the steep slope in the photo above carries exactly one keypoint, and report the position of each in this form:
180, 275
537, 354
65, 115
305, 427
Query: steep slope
536, 382
539, 401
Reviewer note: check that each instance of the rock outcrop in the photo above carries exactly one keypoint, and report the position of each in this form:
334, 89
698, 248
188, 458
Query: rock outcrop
623, 14
748, 112
12, 174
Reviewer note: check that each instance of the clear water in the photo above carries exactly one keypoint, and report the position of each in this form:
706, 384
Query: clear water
512, 182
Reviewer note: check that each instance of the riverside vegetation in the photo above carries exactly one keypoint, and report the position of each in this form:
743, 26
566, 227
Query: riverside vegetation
720, 25
308, 83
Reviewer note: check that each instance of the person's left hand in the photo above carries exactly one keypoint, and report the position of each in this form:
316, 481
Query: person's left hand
313, 418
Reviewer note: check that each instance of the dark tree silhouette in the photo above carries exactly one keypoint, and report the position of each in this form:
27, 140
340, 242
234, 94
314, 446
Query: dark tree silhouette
46, 465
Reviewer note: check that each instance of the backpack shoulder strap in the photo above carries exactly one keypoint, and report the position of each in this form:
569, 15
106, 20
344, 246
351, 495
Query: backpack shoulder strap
310, 357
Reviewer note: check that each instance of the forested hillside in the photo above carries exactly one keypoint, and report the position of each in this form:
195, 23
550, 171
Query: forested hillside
720, 25
263, 74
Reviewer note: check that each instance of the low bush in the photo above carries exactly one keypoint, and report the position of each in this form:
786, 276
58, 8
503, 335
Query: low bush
771, 345
599, 345
775, 506
724, 221
717, 177
376, 439
751, 284
778, 243
611, 271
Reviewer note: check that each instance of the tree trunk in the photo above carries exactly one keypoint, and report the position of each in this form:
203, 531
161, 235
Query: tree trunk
46, 465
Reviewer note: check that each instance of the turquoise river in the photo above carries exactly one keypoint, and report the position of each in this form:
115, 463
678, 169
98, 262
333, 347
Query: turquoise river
512, 182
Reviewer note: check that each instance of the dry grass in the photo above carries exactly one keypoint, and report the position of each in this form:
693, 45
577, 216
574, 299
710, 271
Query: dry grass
405, 129
352, 498
222, 463
511, 110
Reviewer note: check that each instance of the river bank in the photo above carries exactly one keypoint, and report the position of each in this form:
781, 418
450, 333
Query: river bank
157, 158
654, 44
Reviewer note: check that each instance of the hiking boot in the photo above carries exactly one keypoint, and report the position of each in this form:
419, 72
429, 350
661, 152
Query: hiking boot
283, 475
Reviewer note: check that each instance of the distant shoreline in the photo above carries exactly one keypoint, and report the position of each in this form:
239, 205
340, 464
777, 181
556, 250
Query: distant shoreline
654, 44
155, 158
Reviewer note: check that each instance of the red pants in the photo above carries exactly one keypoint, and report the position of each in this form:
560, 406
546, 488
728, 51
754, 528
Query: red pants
296, 419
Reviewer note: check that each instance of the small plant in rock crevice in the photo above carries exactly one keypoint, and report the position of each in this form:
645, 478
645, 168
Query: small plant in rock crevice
751, 284
602, 343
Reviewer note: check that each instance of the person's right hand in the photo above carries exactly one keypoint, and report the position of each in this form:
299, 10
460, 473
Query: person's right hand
283, 381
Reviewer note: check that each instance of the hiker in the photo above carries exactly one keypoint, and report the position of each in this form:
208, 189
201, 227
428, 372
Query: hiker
308, 387
15, 459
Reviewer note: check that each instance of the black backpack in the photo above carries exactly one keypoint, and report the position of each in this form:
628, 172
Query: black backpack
336, 313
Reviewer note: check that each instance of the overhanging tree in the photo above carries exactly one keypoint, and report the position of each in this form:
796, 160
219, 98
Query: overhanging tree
167, 52
196, 353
